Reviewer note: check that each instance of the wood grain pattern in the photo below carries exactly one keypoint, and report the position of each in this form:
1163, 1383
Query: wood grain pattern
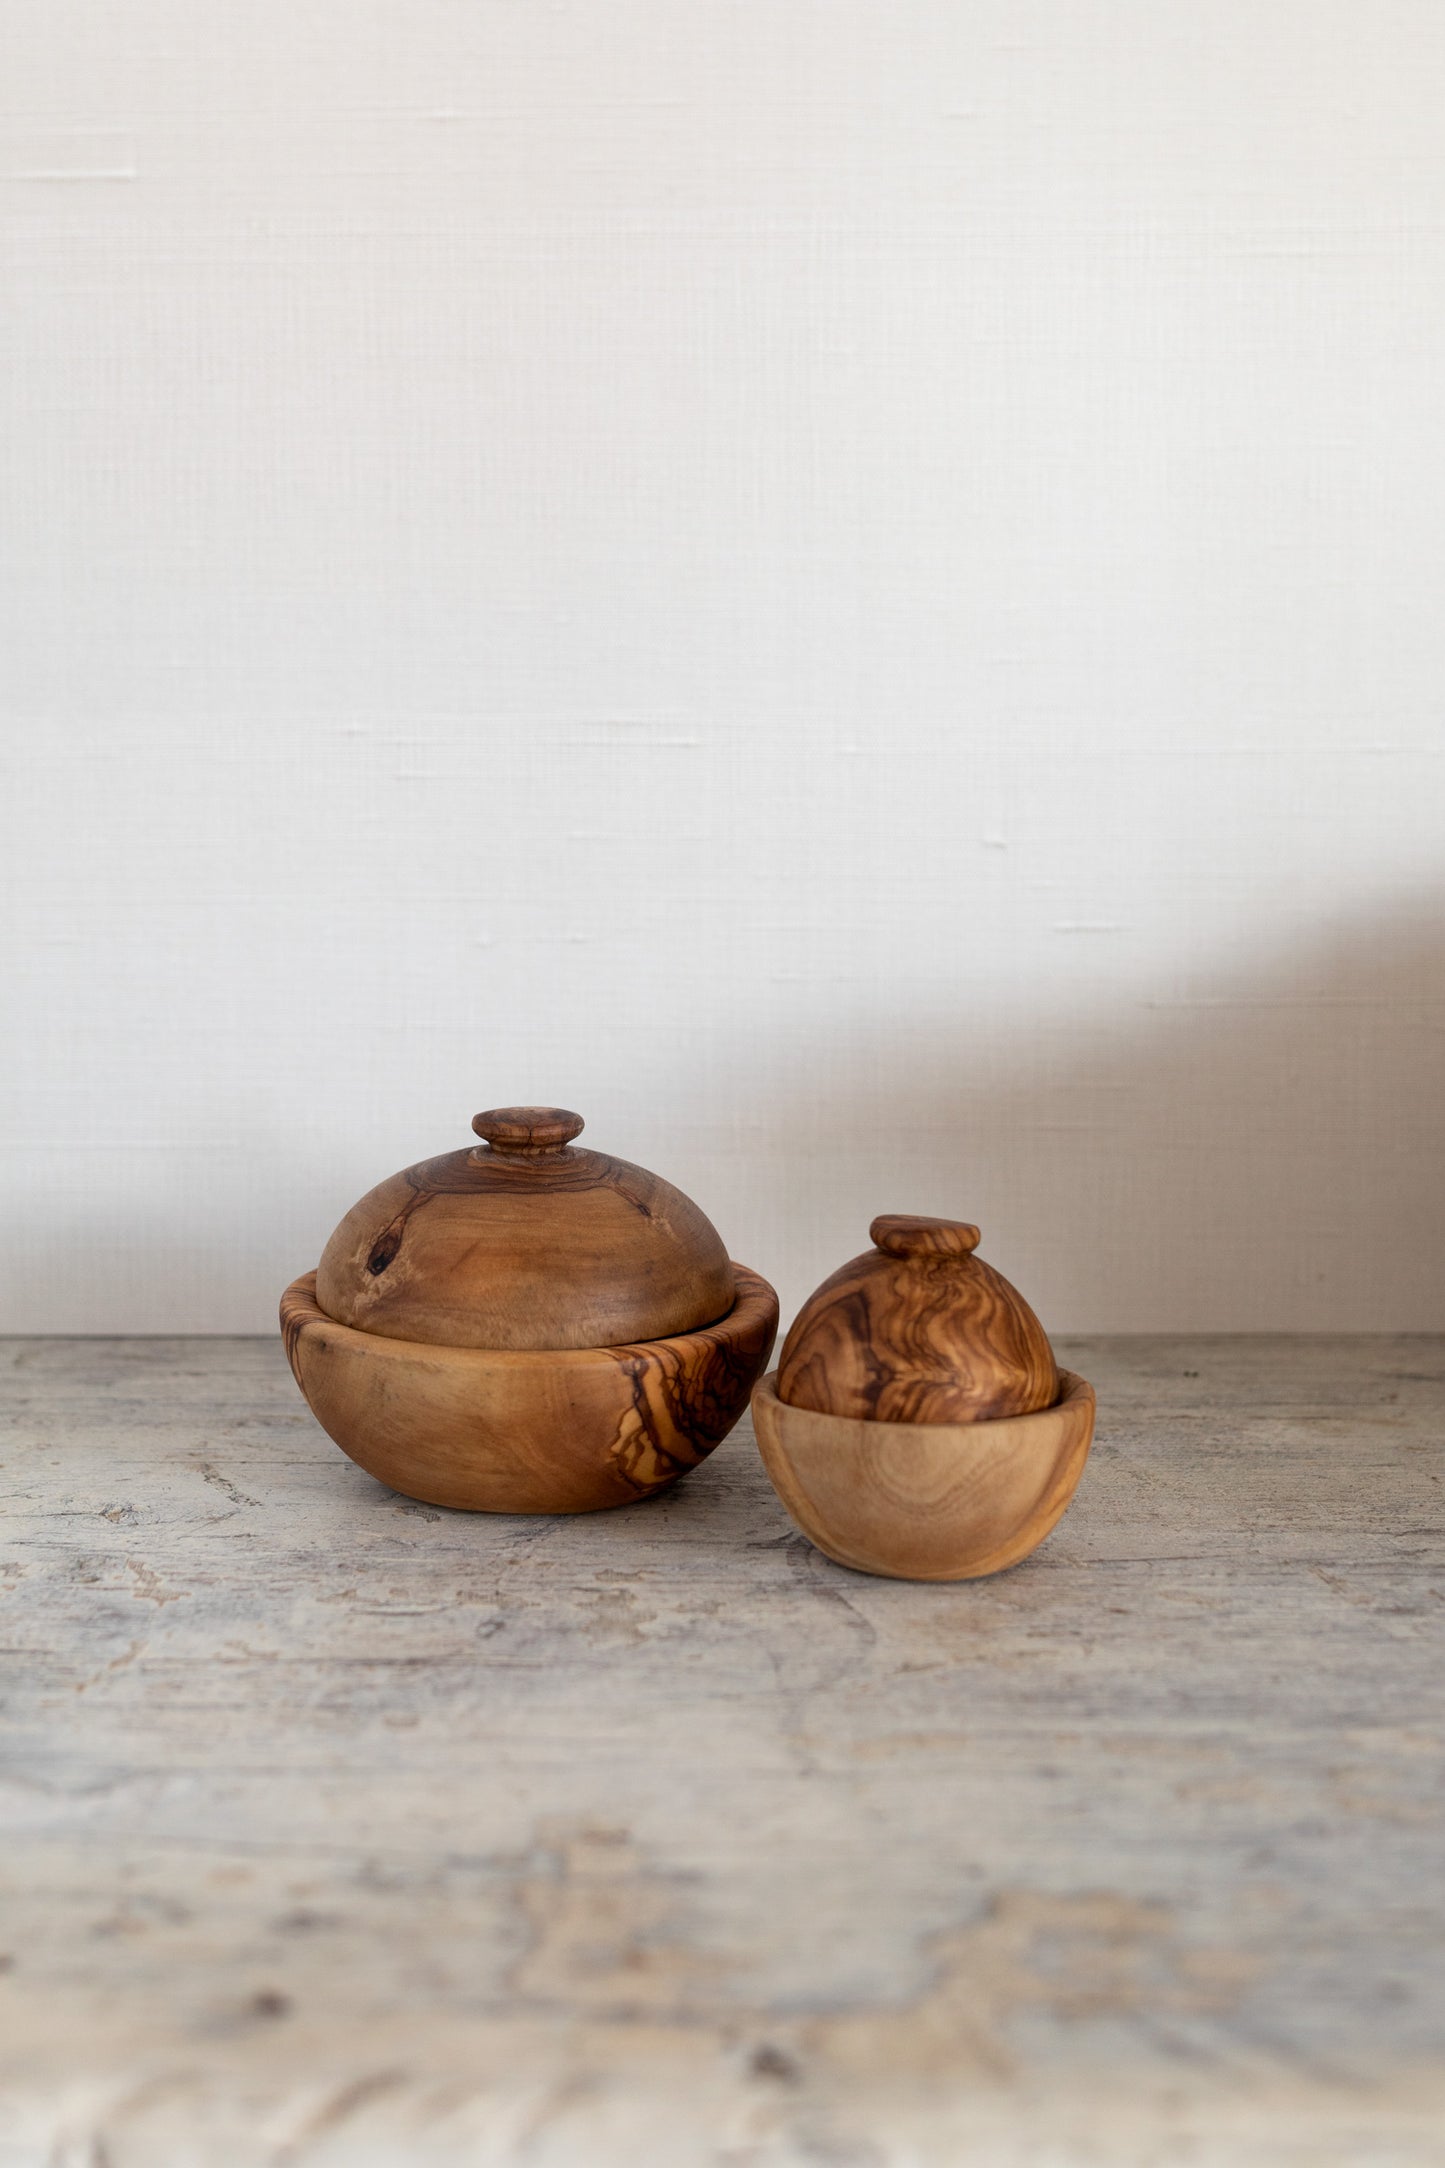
341, 1832
524, 1242
918, 1330
528, 1430
535, 1132
926, 1501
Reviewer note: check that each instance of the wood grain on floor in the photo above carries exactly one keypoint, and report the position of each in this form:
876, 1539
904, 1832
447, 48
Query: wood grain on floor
340, 1830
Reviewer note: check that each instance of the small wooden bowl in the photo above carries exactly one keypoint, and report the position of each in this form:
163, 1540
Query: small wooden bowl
926, 1501
528, 1430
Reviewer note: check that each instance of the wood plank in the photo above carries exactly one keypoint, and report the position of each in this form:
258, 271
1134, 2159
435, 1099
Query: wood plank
344, 1830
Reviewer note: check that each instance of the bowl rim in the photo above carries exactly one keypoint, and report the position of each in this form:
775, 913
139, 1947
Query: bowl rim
1074, 1391
754, 1303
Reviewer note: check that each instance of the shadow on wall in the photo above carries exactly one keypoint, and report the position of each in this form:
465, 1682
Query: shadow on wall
1258, 1152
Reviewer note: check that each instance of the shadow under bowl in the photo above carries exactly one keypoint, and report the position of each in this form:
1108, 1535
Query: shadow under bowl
528, 1430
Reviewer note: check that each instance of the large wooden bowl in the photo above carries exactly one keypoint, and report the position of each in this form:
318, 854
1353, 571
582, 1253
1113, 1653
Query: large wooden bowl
926, 1501
528, 1430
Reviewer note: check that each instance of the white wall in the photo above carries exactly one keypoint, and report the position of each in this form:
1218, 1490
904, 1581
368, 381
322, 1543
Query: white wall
852, 587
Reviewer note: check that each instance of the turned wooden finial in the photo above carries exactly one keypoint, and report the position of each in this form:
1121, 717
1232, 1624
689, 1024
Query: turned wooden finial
906, 1234
528, 1132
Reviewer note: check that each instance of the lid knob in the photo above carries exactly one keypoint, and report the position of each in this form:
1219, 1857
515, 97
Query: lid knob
904, 1234
528, 1132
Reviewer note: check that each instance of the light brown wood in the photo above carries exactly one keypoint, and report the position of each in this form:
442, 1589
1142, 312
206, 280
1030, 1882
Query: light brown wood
537, 1132
525, 1242
525, 1430
918, 1330
926, 1501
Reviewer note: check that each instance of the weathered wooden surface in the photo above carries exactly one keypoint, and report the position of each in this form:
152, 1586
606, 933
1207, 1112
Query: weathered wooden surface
341, 1832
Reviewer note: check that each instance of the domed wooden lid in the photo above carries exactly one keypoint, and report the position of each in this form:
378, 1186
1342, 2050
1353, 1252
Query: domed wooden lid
918, 1330
525, 1242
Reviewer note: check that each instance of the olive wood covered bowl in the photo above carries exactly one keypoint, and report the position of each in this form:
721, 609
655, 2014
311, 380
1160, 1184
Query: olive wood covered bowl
917, 1424
527, 1328
529, 1430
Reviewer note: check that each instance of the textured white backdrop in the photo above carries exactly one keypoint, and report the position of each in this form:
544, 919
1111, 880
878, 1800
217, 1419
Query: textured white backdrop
852, 587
